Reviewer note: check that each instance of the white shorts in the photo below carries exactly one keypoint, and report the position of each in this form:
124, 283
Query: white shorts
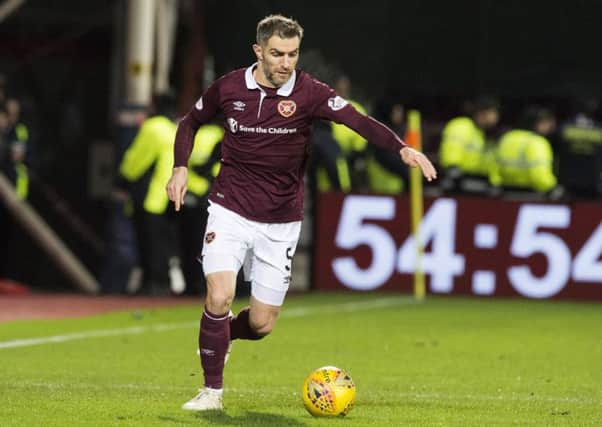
264, 250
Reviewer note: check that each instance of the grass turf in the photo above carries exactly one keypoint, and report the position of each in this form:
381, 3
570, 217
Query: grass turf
443, 362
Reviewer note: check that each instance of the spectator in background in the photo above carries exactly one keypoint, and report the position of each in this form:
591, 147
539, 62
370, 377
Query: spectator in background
203, 167
6, 156
2, 89
121, 271
466, 147
385, 174
340, 150
579, 150
524, 157
18, 140
329, 167
144, 170
352, 144
13, 148
146, 166
6, 169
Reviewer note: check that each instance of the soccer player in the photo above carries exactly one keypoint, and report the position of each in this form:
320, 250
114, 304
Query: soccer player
257, 199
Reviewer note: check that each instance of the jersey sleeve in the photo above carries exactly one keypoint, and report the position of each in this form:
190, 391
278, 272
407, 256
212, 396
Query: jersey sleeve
201, 113
330, 106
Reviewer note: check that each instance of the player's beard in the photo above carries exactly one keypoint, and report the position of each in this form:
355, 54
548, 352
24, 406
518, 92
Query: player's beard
276, 79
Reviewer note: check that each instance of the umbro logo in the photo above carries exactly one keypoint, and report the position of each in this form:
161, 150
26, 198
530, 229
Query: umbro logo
239, 106
207, 352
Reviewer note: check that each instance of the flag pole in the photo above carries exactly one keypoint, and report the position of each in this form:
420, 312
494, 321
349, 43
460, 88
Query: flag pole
413, 139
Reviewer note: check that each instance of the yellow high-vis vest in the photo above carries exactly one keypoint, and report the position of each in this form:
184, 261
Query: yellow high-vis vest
22, 174
464, 146
205, 140
349, 141
152, 147
523, 159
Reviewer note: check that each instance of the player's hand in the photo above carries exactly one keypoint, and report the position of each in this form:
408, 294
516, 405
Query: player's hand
177, 186
415, 158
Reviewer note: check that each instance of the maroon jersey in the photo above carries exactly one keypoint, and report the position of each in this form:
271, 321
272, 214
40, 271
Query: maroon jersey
266, 144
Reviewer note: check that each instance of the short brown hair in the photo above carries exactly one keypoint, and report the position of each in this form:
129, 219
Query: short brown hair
279, 25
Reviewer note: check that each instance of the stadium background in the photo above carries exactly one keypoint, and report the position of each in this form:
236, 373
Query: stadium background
64, 59
67, 359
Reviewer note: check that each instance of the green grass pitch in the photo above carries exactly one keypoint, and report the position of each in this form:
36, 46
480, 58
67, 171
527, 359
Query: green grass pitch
442, 362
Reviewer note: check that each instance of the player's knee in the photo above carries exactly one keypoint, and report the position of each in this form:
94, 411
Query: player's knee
263, 325
218, 302
220, 292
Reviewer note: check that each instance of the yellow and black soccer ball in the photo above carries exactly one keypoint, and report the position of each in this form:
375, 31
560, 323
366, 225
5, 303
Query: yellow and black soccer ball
328, 392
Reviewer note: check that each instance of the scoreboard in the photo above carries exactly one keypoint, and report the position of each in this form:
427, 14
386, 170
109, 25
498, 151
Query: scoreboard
478, 246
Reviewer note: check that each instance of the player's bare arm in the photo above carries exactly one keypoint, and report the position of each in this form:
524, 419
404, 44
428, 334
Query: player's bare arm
177, 185
415, 158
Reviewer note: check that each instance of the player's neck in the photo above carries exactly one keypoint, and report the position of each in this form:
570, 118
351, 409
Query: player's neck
259, 76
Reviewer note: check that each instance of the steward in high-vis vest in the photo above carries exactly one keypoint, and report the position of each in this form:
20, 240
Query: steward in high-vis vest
350, 146
16, 139
524, 159
21, 134
465, 149
151, 154
148, 159
339, 149
203, 166
385, 173
579, 150
329, 168
147, 166
13, 146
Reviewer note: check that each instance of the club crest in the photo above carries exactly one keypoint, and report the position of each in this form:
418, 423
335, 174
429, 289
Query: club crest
287, 108
209, 237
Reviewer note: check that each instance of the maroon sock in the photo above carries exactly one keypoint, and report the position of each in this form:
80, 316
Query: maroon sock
240, 327
214, 339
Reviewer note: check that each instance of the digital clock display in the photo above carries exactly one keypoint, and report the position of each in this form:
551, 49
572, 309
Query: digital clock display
471, 246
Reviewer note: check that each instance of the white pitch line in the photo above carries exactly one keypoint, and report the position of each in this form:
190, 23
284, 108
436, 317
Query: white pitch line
161, 327
349, 306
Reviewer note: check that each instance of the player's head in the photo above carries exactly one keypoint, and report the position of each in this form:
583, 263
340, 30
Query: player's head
277, 48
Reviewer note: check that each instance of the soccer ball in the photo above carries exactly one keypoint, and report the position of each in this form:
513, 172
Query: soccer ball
328, 392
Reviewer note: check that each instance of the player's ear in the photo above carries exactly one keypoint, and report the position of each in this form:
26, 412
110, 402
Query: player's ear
258, 52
